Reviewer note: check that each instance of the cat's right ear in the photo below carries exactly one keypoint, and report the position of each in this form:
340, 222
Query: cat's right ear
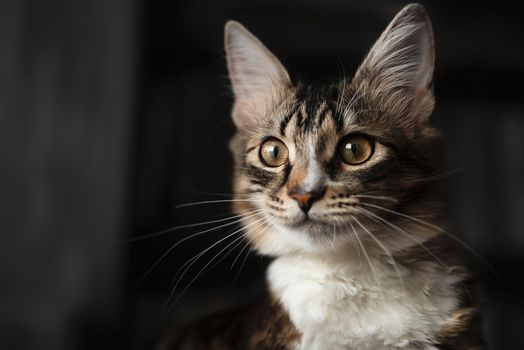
257, 76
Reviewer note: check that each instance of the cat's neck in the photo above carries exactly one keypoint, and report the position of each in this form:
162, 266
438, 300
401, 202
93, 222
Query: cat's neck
355, 300
370, 271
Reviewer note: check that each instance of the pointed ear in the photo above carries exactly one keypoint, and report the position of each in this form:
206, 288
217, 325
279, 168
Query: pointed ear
257, 77
403, 57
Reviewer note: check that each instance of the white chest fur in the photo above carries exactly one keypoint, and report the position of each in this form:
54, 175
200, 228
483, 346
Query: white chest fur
342, 304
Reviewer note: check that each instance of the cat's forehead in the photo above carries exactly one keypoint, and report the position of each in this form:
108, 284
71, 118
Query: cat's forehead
311, 110
316, 115
310, 120
333, 111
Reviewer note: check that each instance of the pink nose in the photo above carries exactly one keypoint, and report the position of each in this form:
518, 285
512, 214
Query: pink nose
305, 199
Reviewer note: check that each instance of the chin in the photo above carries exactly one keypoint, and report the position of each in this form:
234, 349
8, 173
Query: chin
305, 236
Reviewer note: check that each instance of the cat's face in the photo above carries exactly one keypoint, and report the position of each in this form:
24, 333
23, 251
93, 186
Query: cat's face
319, 168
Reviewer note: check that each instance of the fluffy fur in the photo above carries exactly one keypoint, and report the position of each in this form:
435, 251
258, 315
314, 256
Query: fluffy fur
369, 265
337, 302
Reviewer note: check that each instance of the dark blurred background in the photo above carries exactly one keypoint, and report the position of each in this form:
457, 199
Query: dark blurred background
113, 112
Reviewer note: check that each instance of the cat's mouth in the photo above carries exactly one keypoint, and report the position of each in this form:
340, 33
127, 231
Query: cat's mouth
320, 222
306, 222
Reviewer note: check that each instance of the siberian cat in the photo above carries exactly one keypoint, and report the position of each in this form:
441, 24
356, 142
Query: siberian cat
335, 182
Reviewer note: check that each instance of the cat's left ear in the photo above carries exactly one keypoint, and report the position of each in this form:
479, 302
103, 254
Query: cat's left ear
257, 76
402, 59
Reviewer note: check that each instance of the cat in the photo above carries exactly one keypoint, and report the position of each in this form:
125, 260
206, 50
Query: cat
334, 183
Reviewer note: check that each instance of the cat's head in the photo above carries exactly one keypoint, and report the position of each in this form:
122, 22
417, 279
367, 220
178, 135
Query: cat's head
319, 168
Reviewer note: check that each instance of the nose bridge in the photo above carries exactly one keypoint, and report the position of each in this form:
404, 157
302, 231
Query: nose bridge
306, 184
306, 174
298, 174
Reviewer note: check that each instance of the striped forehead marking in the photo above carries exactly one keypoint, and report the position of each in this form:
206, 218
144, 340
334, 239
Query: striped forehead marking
311, 107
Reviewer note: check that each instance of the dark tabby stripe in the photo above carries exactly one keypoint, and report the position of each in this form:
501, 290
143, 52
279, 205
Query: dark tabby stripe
311, 107
287, 119
251, 149
260, 176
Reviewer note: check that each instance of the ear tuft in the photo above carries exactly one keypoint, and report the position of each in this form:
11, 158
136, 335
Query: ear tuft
403, 56
256, 75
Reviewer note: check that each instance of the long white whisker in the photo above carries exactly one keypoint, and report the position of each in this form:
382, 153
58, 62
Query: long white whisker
197, 256
406, 216
194, 259
250, 249
372, 268
420, 244
170, 249
190, 190
226, 255
176, 228
210, 261
391, 199
333, 244
379, 243
407, 234
441, 175
239, 254
185, 205
250, 240
422, 222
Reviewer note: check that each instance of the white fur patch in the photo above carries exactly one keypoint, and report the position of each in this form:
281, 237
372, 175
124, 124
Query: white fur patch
337, 303
315, 175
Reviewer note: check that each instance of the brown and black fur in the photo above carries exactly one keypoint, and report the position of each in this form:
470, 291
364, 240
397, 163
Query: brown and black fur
261, 325
265, 325
392, 108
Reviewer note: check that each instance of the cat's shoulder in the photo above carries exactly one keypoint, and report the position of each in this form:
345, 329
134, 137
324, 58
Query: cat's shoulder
259, 325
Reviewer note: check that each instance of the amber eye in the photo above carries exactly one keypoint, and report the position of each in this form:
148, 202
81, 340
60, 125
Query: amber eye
356, 149
273, 153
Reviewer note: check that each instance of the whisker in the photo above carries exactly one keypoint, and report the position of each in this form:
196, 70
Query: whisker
176, 276
226, 255
333, 244
391, 199
249, 242
422, 222
358, 246
421, 245
210, 261
442, 175
372, 268
176, 228
193, 260
239, 254
379, 243
190, 190
377, 217
250, 249
197, 256
185, 205
170, 249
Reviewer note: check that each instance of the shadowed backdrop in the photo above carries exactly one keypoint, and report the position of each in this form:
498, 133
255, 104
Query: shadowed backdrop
113, 113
